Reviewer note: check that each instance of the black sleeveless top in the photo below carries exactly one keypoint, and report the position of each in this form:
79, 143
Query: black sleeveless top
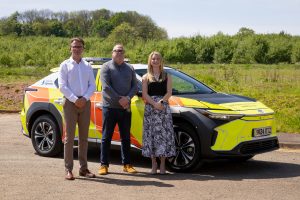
157, 88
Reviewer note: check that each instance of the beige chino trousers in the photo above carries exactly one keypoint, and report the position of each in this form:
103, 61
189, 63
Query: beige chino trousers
81, 116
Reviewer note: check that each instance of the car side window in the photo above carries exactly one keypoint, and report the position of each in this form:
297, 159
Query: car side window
182, 86
56, 83
97, 79
95, 71
141, 72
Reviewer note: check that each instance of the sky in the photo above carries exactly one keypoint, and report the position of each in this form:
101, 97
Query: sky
186, 17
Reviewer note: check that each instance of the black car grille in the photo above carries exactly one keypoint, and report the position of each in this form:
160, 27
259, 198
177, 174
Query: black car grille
259, 146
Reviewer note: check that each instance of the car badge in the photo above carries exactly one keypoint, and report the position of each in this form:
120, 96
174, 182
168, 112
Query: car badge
260, 111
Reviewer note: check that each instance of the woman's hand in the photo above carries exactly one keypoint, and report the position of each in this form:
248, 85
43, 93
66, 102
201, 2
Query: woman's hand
158, 105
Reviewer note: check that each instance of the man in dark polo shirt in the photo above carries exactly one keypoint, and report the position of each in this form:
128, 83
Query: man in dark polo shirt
119, 85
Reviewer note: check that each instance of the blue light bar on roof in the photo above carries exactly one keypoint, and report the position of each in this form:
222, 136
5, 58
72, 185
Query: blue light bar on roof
100, 60
95, 59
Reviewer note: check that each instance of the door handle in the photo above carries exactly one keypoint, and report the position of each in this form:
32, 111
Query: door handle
59, 101
99, 105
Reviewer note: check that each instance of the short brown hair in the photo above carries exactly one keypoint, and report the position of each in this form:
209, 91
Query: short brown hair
78, 39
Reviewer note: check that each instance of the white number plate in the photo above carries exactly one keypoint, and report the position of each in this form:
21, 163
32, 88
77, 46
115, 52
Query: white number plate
259, 132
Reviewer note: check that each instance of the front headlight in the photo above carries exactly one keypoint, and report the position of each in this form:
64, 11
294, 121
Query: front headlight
220, 116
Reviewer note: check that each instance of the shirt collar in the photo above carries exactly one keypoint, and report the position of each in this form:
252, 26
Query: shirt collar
115, 64
73, 61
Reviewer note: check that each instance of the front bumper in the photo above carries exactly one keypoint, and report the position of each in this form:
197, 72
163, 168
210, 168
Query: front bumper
251, 147
238, 132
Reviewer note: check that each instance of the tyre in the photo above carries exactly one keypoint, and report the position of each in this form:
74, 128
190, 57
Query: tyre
45, 136
188, 154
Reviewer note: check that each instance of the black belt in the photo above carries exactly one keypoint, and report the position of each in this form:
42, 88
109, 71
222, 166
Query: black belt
79, 97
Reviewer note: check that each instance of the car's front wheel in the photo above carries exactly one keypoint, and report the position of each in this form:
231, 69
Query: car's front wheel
45, 136
187, 149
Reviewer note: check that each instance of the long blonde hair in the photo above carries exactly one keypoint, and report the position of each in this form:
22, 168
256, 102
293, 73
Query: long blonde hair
150, 74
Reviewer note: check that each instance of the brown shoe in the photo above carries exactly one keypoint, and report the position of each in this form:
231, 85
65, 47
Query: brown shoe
86, 173
69, 176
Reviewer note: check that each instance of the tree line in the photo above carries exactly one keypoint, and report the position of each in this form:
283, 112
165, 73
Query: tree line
44, 46
99, 23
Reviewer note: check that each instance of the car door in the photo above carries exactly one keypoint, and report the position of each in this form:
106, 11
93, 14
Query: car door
57, 99
96, 112
137, 109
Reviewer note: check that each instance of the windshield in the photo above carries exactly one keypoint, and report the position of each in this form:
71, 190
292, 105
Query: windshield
182, 83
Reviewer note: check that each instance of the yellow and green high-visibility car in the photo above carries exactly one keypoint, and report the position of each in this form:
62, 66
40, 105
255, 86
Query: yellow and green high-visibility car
207, 124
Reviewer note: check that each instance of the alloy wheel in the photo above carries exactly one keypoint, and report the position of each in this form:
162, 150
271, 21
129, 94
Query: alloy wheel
185, 150
44, 136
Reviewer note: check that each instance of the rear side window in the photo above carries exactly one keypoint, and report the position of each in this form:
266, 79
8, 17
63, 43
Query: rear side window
141, 72
95, 71
56, 83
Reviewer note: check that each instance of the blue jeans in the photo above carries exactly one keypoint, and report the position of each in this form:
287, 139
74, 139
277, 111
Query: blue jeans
111, 117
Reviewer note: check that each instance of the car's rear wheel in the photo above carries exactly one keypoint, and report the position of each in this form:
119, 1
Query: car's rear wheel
188, 154
45, 136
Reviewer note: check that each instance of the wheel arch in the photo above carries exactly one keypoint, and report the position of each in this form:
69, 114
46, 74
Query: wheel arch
183, 120
203, 127
41, 108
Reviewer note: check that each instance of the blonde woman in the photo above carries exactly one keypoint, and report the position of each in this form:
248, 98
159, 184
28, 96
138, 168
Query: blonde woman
158, 133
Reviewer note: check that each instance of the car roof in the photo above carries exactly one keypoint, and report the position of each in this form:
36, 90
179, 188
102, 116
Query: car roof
95, 60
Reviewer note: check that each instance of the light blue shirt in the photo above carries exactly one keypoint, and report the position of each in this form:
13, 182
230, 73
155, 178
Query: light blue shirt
76, 79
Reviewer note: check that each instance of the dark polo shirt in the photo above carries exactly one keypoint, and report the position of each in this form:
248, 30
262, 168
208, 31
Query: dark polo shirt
117, 81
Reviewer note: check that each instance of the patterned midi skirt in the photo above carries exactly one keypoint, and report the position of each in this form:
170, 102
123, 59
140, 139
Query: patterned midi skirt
158, 132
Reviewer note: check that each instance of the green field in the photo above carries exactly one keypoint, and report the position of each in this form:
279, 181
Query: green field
277, 86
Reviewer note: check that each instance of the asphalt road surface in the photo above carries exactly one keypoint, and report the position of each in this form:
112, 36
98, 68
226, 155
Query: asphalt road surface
25, 175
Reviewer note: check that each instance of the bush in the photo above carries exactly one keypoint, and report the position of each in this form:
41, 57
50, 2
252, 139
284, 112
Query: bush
6, 60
